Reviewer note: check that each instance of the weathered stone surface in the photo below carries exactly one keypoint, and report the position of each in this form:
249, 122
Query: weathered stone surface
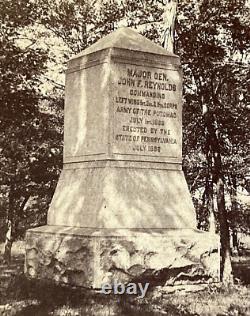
92, 257
63, 258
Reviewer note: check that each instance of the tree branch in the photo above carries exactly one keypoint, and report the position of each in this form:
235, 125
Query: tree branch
195, 180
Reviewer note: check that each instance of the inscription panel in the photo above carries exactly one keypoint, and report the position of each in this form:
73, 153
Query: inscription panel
146, 111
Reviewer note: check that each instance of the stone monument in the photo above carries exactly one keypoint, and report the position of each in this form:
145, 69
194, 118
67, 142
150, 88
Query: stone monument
121, 210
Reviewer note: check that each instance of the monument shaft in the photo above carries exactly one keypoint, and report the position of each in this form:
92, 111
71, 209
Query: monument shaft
123, 122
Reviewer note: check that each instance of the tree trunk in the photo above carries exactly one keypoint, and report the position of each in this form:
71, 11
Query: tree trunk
210, 195
212, 140
226, 265
233, 196
169, 21
8, 243
10, 225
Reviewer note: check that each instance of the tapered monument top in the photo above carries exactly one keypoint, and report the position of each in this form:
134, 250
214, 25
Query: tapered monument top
126, 38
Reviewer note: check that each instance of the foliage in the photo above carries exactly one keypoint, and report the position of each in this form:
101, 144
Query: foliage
30, 141
213, 41
80, 23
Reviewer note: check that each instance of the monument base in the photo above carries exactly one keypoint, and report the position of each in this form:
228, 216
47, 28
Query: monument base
90, 257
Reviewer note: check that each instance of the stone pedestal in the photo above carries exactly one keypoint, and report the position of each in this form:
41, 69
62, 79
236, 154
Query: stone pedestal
122, 210
91, 257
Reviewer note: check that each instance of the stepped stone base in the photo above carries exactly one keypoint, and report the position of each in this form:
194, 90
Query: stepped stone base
90, 257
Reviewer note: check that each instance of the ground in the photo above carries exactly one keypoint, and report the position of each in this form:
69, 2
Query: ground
19, 296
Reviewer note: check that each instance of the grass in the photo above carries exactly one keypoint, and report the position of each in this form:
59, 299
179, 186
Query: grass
233, 301
42, 298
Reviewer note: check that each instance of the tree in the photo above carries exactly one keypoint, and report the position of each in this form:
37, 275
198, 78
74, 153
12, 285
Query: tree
215, 93
27, 131
81, 23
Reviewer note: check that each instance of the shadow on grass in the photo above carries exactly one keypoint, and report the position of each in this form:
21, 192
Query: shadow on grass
61, 300
50, 299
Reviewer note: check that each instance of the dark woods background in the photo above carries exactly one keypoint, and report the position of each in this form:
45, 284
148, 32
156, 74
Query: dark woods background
37, 37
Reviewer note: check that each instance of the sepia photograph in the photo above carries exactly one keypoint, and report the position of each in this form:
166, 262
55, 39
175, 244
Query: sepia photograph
124, 158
